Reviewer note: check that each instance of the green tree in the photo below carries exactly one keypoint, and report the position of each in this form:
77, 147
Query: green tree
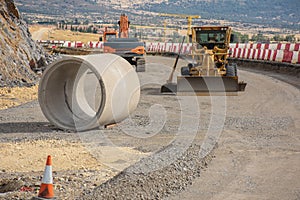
89, 29
239, 37
278, 38
259, 38
176, 37
244, 38
290, 38
95, 30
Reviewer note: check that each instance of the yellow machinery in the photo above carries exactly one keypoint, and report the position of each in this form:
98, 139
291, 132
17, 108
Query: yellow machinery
209, 71
189, 21
210, 51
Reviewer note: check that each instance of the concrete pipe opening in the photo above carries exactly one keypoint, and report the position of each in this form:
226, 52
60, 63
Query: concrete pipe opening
85, 92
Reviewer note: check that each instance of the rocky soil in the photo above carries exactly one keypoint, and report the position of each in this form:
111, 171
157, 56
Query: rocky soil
20, 56
132, 183
171, 148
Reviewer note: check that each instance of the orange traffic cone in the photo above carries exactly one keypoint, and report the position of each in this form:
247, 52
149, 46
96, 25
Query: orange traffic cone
46, 189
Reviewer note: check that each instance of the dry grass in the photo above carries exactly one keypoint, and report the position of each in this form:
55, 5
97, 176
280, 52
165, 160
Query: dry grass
68, 35
34, 28
65, 35
10, 97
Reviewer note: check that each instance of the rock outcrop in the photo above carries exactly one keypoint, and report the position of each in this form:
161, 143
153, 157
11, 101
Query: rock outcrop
19, 54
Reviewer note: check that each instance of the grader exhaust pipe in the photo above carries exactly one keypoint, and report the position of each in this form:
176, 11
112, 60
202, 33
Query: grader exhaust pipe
85, 92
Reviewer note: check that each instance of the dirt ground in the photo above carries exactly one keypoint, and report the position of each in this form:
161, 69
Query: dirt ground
255, 137
19, 157
258, 156
14, 96
51, 33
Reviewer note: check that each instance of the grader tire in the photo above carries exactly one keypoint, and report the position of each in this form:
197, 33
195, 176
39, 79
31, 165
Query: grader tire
231, 70
141, 65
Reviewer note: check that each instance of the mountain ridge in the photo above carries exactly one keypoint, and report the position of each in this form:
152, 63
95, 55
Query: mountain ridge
281, 14
276, 13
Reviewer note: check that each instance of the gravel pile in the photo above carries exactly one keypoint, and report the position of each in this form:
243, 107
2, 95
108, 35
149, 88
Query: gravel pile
147, 180
254, 123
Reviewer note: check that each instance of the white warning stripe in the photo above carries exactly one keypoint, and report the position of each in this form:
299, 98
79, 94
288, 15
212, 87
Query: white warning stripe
47, 178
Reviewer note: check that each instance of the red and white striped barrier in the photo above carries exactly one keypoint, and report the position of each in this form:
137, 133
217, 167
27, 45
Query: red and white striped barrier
158, 47
96, 45
281, 52
76, 44
275, 46
296, 57
274, 55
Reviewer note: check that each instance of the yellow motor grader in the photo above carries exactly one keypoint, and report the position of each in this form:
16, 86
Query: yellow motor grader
208, 71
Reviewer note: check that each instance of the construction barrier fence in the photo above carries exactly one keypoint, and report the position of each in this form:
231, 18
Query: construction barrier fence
279, 52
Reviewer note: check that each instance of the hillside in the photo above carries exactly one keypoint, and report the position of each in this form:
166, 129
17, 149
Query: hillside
276, 13
19, 53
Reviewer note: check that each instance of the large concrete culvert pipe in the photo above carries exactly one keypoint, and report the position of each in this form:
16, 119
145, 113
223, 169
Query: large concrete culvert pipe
85, 92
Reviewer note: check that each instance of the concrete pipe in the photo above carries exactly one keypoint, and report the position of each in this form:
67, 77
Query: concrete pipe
85, 92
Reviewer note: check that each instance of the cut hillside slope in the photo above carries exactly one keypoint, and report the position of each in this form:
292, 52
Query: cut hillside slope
20, 56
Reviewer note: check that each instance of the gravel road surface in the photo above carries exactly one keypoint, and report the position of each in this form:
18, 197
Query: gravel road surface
173, 147
258, 152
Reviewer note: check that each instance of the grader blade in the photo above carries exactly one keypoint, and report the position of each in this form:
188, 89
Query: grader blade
168, 88
207, 85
